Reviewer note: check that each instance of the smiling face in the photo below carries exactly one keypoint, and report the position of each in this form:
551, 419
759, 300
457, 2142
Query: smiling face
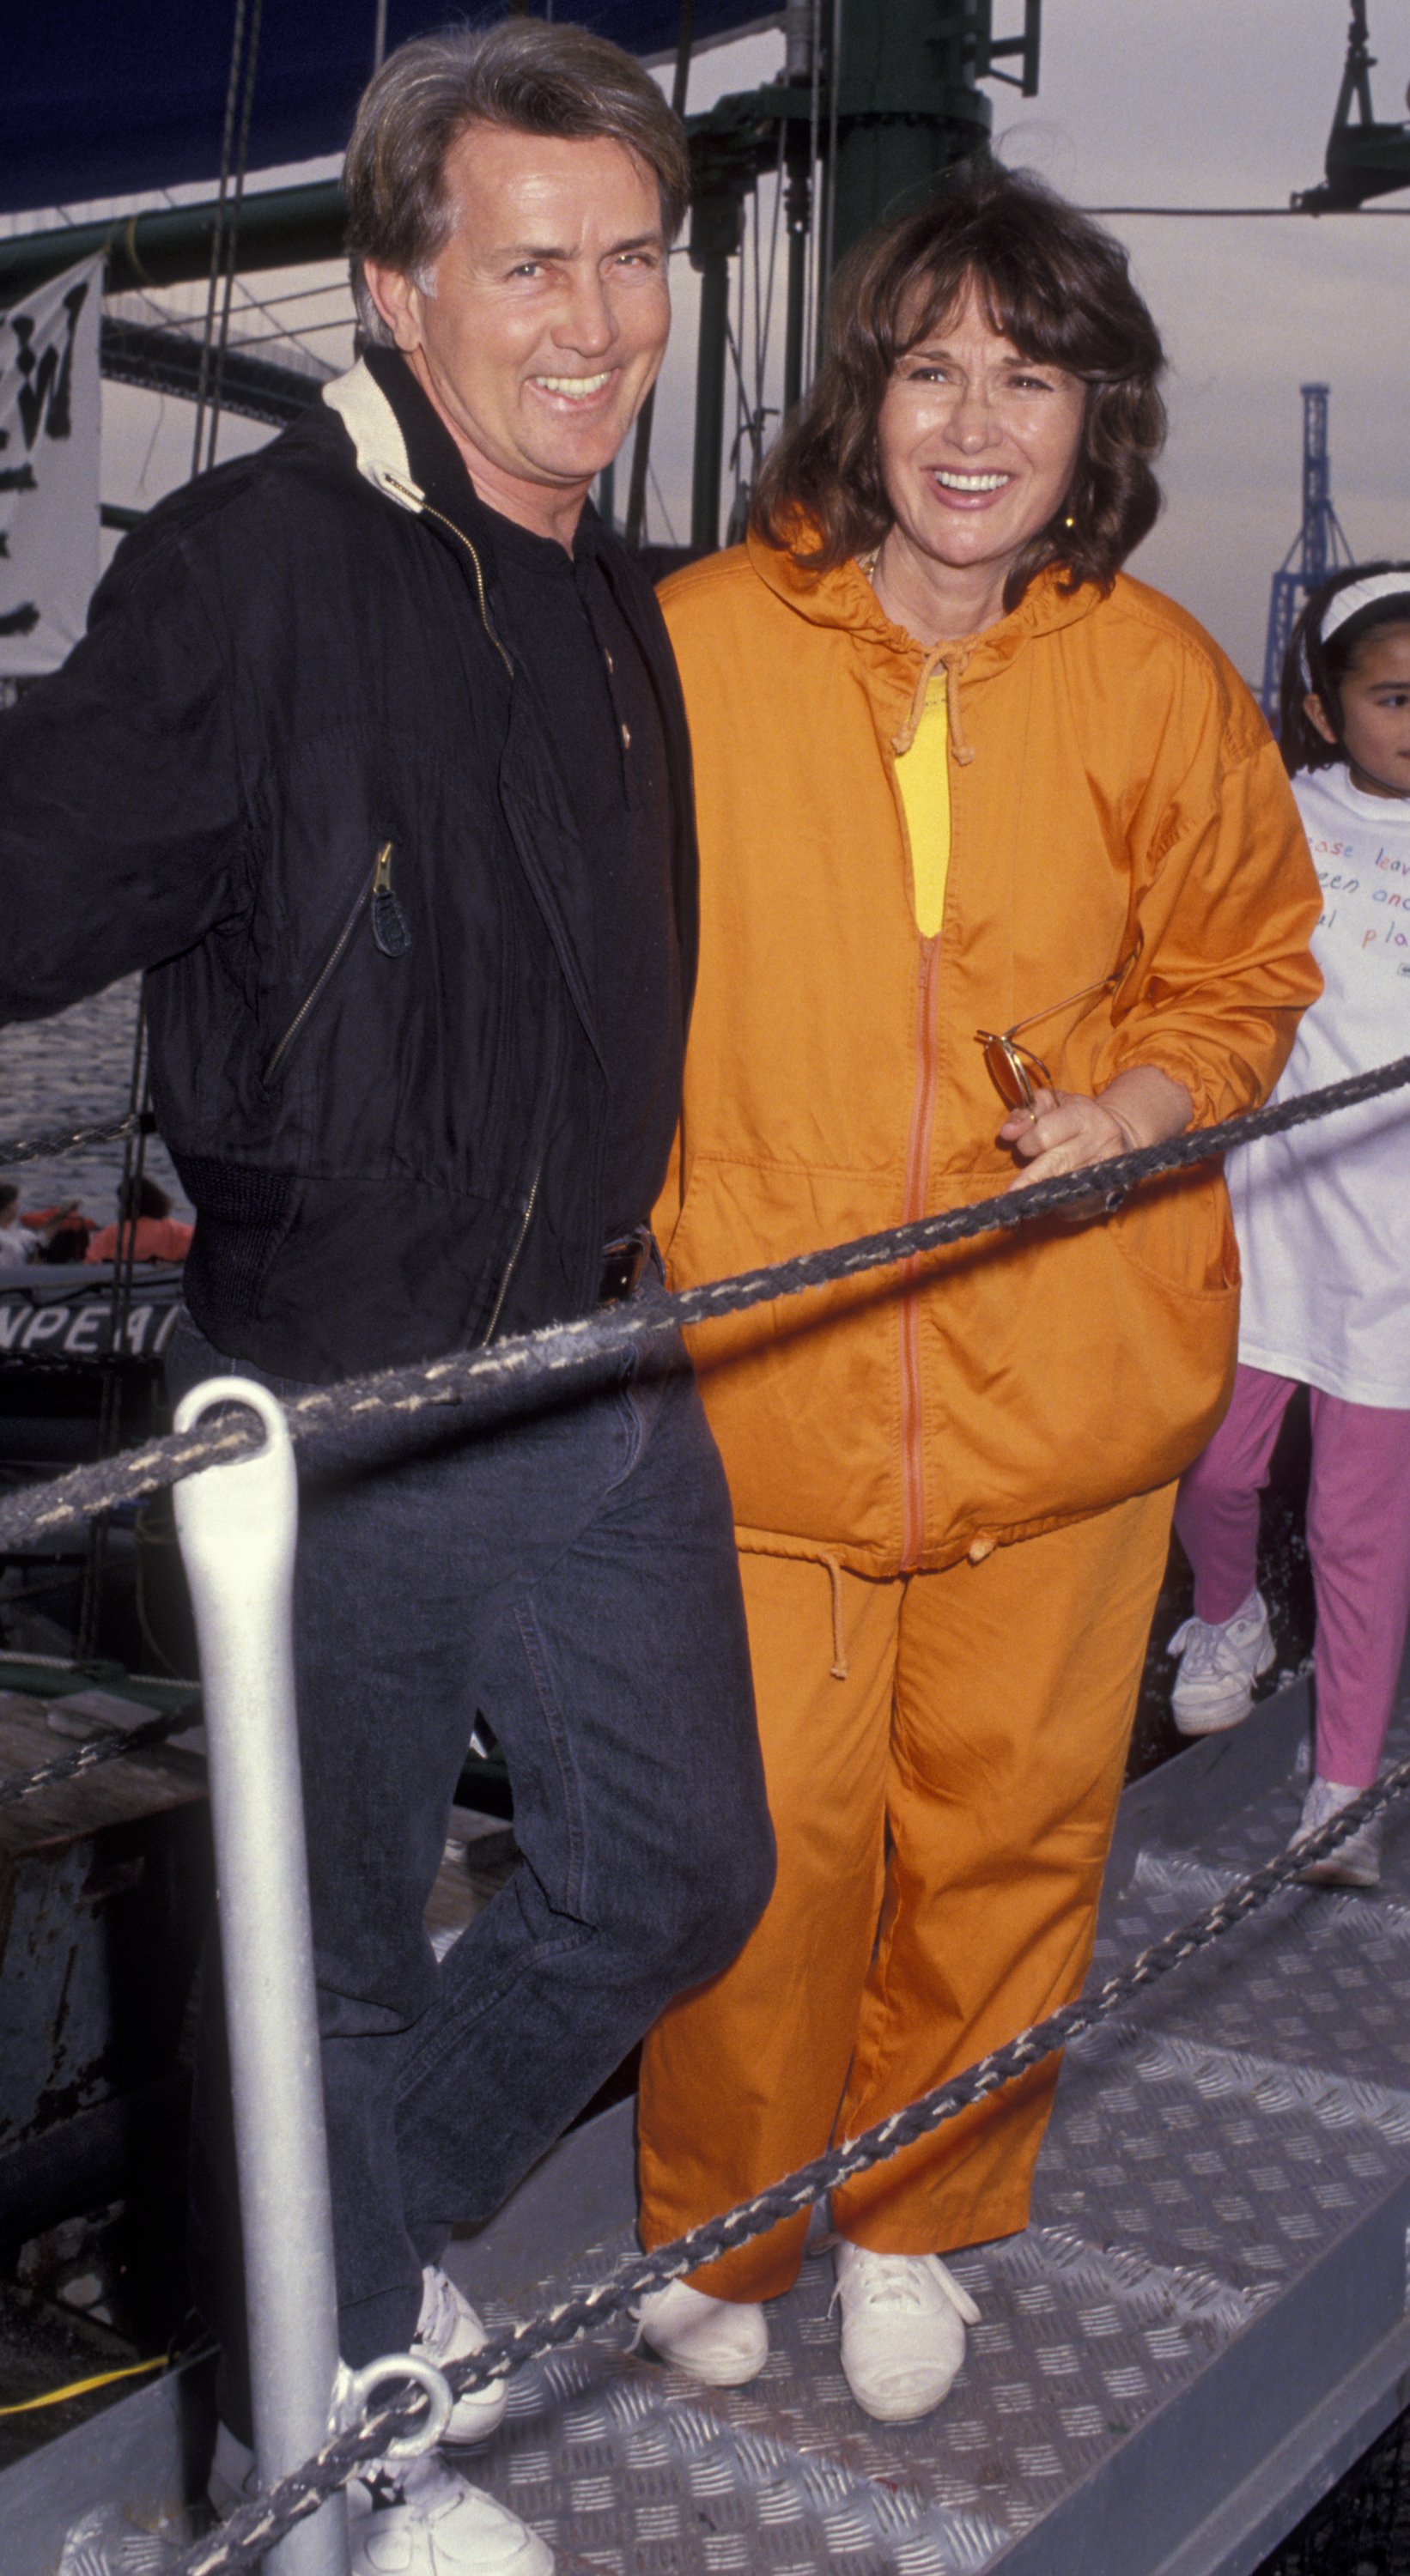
547, 316
978, 448
1375, 713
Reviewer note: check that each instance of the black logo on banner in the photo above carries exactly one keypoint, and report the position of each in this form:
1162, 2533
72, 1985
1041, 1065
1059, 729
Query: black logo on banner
45, 397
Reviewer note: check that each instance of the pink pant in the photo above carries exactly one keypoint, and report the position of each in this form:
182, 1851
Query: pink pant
1358, 1538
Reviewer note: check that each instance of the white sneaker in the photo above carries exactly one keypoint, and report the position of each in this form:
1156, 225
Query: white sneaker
450, 2330
405, 2518
1220, 1662
1354, 1863
720, 2341
420, 2518
903, 2322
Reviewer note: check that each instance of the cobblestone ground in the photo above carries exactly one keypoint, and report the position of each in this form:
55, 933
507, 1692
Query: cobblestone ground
73, 1071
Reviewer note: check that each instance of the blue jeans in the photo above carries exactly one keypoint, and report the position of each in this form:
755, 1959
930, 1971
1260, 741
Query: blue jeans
571, 1578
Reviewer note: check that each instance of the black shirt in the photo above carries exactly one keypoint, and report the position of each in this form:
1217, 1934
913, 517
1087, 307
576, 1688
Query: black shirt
599, 698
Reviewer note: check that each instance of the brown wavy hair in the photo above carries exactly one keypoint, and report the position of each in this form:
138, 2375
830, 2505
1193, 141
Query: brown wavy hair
1051, 281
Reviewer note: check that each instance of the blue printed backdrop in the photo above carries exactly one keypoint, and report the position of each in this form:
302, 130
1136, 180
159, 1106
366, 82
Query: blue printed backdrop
103, 98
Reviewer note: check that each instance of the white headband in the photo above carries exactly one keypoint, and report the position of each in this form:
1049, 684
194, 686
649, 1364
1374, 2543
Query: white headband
1362, 594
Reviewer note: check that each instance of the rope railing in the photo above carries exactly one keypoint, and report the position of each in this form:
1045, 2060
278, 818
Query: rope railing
508, 1376
242, 2541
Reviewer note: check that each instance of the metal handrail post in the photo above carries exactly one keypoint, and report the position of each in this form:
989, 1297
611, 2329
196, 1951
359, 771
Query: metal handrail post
237, 1525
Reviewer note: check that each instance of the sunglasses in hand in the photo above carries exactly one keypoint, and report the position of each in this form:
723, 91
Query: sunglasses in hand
1018, 1075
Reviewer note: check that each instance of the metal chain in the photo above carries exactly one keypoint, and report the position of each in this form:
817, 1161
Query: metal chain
507, 1377
107, 1747
242, 2541
44, 1149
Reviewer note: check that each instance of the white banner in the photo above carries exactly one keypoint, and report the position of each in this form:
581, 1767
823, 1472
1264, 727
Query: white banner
50, 421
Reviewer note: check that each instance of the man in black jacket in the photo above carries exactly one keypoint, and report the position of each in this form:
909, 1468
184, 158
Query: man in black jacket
374, 757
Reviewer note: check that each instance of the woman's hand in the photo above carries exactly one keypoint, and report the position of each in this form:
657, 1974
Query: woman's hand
1067, 1129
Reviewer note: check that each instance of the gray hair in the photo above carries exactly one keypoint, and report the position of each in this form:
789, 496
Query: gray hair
526, 73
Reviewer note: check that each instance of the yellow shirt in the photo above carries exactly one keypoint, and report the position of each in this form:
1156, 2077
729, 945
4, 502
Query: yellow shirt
924, 776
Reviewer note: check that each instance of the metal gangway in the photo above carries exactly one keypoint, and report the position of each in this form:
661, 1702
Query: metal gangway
1200, 2330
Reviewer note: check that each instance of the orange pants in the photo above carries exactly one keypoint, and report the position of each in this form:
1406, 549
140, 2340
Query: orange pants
943, 1816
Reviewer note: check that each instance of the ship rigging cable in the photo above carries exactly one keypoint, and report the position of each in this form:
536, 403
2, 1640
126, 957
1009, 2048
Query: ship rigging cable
242, 2541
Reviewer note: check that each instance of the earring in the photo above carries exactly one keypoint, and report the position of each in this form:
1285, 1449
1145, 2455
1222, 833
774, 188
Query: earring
1069, 521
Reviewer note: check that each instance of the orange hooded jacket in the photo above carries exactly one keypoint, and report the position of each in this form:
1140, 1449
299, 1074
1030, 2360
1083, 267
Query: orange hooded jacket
1116, 801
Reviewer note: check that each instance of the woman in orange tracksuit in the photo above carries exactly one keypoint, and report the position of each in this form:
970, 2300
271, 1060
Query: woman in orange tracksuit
956, 775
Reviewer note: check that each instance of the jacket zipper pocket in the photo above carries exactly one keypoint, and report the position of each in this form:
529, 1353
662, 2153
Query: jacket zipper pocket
380, 889
388, 920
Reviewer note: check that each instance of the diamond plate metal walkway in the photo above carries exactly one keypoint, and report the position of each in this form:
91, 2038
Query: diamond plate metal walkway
1218, 2243
1203, 2326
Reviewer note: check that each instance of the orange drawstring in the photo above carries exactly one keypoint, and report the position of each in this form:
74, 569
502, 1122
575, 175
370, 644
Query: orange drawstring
963, 751
840, 1666
930, 664
953, 669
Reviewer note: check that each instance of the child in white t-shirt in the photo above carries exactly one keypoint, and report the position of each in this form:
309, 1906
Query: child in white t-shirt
1323, 1221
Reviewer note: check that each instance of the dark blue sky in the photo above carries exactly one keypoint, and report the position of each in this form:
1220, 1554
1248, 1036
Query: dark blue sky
101, 100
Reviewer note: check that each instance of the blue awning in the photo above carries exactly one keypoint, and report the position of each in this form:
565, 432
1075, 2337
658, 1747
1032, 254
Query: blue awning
104, 98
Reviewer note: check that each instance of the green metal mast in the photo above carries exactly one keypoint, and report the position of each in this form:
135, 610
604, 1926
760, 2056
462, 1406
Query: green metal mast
908, 102
887, 93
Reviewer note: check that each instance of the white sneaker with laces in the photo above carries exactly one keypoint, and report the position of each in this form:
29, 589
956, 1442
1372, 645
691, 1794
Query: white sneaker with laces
421, 2518
903, 2322
405, 2518
1354, 1863
1220, 1660
449, 2329
722, 2342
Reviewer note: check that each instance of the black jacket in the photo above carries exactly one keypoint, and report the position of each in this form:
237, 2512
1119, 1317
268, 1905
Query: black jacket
296, 770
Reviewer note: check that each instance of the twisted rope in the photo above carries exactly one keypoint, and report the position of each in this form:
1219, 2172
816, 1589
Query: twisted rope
44, 1149
242, 2541
511, 1373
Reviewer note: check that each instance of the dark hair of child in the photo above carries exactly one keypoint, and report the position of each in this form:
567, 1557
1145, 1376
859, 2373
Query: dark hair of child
1312, 667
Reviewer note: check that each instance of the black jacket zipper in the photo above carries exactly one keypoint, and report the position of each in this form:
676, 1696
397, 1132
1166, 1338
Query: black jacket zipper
428, 511
512, 1263
378, 886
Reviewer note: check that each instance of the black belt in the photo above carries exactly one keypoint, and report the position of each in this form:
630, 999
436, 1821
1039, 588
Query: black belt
623, 1261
